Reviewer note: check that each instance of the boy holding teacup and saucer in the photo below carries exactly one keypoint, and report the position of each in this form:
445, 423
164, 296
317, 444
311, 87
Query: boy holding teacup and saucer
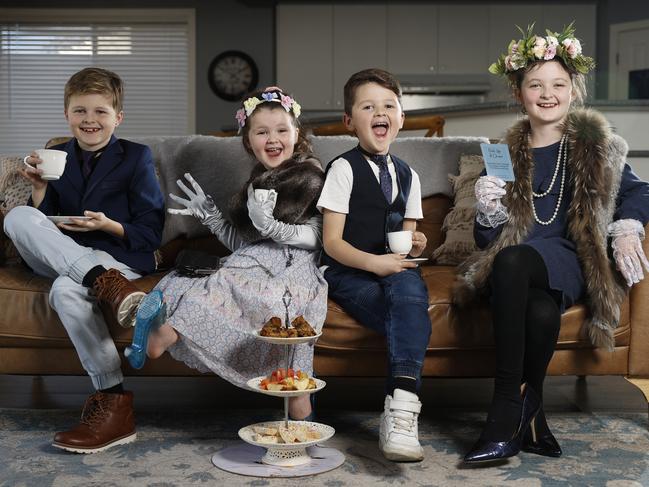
367, 194
109, 190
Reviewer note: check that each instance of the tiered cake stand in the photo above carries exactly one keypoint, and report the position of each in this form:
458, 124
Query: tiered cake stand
286, 454
283, 455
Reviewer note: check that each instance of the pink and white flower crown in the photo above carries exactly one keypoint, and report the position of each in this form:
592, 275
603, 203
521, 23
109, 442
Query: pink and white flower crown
288, 103
533, 48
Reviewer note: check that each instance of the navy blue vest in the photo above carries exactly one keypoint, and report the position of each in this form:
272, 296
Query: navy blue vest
370, 216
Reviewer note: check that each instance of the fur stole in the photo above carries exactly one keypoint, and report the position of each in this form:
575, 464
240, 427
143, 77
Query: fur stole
596, 159
298, 183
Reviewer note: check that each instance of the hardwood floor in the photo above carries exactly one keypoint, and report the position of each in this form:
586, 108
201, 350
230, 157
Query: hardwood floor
591, 394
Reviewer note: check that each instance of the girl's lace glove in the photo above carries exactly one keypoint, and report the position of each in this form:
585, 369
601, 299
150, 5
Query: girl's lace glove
627, 249
202, 207
490, 210
261, 203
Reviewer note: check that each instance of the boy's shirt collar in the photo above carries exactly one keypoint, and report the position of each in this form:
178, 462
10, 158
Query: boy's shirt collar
375, 158
79, 150
88, 159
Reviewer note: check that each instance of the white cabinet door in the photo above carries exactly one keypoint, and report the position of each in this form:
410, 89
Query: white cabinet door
462, 39
359, 42
632, 53
412, 39
305, 54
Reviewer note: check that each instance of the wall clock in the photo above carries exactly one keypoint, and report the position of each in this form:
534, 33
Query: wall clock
232, 74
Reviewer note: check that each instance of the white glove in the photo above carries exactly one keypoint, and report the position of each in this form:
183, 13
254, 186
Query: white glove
202, 207
627, 249
261, 203
490, 210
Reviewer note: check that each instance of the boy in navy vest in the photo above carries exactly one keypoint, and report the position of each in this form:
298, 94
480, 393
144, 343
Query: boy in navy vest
368, 193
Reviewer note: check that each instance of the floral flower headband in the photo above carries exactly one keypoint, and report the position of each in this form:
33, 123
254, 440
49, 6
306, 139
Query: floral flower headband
532, 48
277, 96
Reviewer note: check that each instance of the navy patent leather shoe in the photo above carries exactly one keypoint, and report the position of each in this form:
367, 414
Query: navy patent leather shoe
538, 439
487, 451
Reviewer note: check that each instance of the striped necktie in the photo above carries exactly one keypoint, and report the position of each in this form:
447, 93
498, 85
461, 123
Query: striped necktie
385, 180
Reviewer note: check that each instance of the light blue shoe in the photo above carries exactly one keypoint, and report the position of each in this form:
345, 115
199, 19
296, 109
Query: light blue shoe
151, 314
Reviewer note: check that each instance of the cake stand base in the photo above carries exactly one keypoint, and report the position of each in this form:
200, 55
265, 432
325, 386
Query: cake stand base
247, 460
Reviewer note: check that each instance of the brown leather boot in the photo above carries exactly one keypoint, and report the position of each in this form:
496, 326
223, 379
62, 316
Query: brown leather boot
106, 420
120, 294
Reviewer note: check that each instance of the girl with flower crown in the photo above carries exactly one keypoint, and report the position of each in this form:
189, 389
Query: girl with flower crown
274, 232
545, 236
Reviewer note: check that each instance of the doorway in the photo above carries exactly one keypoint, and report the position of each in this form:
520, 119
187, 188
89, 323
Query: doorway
629, 60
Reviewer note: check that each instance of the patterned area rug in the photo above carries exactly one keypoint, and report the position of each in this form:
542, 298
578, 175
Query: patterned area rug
175, 449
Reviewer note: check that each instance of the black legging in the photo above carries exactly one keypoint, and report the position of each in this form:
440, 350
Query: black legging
526, 321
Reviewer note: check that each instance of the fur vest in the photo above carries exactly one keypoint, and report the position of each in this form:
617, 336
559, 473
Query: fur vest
298, 183
596, 158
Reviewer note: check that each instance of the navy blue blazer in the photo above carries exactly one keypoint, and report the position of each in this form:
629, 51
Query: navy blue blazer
124, 187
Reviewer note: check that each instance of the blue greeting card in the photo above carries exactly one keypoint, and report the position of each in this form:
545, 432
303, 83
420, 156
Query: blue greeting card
497, 161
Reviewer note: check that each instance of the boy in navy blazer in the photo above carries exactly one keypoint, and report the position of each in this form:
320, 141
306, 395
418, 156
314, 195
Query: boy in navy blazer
111, 183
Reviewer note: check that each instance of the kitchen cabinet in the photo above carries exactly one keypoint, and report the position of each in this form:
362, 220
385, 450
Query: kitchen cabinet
319, 46
412, 39
304, 56
461, 39
311, 37
358, 42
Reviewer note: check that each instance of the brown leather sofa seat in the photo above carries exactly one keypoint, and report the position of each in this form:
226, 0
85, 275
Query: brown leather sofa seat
33, 340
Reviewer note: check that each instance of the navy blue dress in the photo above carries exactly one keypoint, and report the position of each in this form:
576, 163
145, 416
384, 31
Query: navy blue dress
552, 241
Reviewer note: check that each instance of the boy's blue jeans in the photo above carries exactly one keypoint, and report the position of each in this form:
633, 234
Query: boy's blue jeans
395, 306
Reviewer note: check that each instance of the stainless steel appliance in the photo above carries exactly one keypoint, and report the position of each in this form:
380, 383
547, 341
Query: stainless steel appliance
432, 91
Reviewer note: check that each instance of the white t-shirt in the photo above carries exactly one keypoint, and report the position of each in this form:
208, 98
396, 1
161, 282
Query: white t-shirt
340, 179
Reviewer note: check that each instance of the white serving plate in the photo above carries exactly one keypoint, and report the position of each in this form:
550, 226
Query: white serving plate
286, 454
254, 385
288, 341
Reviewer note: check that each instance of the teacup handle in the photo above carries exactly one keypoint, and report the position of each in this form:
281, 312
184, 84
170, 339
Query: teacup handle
27, 163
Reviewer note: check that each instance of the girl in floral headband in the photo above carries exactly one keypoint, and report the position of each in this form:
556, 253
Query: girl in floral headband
274, 231
545, 236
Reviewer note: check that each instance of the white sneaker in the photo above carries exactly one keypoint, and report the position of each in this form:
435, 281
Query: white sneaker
398, 433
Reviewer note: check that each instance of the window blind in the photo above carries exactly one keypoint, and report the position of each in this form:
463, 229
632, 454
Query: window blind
36, 60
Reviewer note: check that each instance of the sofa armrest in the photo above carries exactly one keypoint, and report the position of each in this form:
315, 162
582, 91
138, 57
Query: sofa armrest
639, 316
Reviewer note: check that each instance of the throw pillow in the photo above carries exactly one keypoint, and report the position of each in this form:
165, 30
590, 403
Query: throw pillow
15, 190
458, 224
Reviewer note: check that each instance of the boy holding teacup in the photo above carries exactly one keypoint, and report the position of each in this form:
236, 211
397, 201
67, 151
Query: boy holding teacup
367, 194
110, 185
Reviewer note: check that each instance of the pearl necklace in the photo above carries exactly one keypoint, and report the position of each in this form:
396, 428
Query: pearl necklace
556, 169
561, 162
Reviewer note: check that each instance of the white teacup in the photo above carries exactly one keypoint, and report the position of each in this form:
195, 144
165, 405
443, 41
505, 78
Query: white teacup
400, 242
53, 163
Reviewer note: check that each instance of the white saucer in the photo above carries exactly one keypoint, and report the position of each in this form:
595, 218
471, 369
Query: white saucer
67, 219
417, 259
